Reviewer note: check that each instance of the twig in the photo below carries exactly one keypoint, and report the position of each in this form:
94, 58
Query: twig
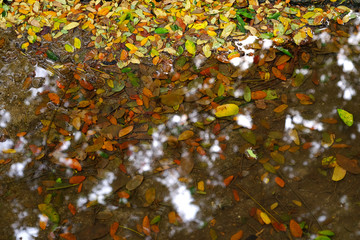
132, 230
255, 201
62, 187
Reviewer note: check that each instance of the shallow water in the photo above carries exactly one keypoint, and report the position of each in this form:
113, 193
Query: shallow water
141, 163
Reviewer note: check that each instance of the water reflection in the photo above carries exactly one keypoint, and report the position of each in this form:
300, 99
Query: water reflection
216, 149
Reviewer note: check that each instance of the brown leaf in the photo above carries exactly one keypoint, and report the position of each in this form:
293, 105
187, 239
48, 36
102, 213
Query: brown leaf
237, 236
350, 165
134, 182
150, 195
282, 59
76, 179
186, 135
126, 131
171, 99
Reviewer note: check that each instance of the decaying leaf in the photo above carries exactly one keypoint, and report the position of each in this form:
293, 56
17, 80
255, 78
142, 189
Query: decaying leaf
350, 165
338, 174
295, 229
134, 182
186, 135
226, 110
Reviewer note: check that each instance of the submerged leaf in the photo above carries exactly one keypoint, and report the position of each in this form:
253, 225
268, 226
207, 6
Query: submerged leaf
338, 174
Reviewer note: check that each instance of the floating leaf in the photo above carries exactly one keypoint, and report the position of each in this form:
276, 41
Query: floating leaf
71, 25
258, 95
228, 180
54, 98
190, 47
346, 117
76, 179
237, 236
134, 182
186, 135
155, 220
281, 108
247, 94
113, 228
268, 167
350, 165
295, 229
226, 110
146, 226
279, 182
51, 55
265, 218
338, 174
326, 233
161, 30
77, 43
126, 131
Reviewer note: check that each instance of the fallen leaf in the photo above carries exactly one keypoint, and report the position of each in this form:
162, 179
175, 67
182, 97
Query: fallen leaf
338, 174
237, 236
172, 217
113, 228
258, 95
76, 179
126, 131
265, 218
186, 135
226, 110
72, 209
280, 182
281, 108
228, 180
150, 196
134, 182
350, 165
146, 226
346, 117
295, 229
54, 98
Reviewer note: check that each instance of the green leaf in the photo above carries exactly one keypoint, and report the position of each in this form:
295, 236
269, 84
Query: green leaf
69, 48
270, 94
155, 220
274, 15
346, 117
283, 50
247, 94
77, 43
322, 238
126, 70
326, 233
268, 167
190, 47
51, 55
180, 50
221, 90
161, 30
49, 211
118, 86
133, 79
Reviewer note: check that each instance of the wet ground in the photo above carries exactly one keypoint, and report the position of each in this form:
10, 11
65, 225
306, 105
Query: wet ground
177, 184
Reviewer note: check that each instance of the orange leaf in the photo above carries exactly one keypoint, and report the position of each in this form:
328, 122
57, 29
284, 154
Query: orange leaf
156, 60
283, 59
228, 180
76, 179
277, 73
114, 228
172, 217
80, 187
237, 236
236, 195
68, 236
303, 97
258, 95
281, 108
54, 98
155, 228
200, 150
122, 168
123, 194
43, 223
146, 225
85, 84
125, 131
329, 120
295, 229
307, 145
147, 92
21, 134
279, 182
278, 226
123, 55
72, 209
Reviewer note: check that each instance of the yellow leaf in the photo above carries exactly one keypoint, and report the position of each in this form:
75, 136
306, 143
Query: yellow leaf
131, 46
201, 186
77, 43
207, 50
265, 218
226, 110
9, 150
199, 26
228, 29
280, 108
338, 174
190, 47
71, 25
76, 122
297, 203
125, 131
274, 205
294, 136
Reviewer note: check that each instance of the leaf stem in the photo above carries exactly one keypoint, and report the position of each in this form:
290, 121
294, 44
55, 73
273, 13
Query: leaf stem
132, 230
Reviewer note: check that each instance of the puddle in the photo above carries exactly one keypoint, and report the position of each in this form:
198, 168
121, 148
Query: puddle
86, 146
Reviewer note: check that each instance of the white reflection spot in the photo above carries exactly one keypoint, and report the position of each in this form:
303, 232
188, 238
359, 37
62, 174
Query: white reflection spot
244, 120
17, 169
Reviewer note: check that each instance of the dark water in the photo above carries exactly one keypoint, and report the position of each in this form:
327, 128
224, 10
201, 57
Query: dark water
289, 144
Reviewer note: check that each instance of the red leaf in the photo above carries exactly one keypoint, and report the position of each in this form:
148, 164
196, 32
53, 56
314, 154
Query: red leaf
236, 195
72, 209
279, 226
85, 84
